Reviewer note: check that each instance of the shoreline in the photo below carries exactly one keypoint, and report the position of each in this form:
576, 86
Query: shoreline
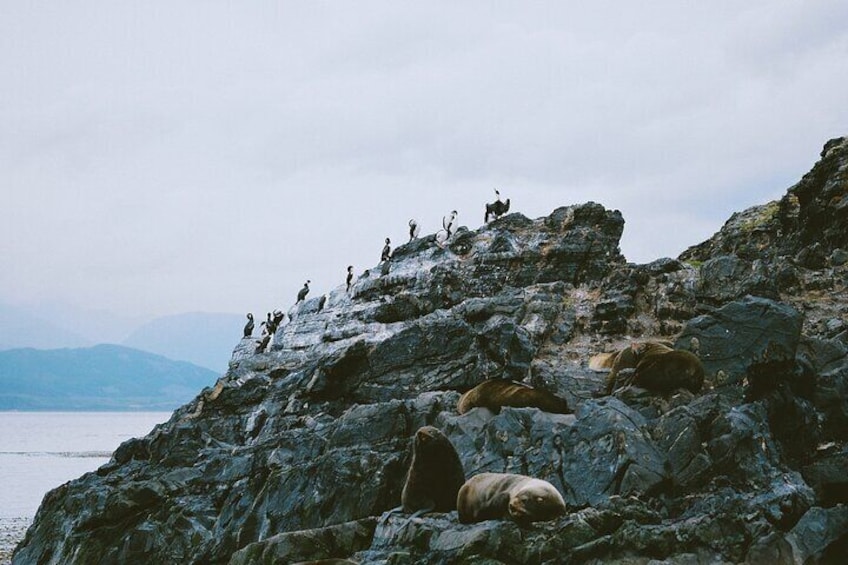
12, 531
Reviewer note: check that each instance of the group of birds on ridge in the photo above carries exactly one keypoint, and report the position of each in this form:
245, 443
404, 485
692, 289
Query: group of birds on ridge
273, 320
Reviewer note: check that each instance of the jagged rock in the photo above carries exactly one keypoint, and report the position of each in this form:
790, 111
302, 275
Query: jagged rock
754, 338
610, 452
338, 541
829, 477
728, 277
300, 451
819, 537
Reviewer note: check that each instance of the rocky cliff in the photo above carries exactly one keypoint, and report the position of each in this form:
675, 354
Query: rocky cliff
298, 453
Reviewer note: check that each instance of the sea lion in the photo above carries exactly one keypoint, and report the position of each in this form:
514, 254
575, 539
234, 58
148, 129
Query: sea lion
248, 327
435, 474
629, 357
603, 361
496, 393
666, 371
491, 496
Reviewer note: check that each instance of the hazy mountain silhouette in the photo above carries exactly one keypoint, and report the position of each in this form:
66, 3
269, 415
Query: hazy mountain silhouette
202, 338
104, 377
19, 327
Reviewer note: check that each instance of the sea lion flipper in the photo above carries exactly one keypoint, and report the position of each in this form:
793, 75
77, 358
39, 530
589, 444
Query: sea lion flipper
416, 514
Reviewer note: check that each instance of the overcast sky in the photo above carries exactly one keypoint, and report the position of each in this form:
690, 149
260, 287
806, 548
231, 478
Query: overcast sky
165, 157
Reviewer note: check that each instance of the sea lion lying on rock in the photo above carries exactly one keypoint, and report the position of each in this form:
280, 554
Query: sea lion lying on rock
656, 367
626, 358
435, 474
491, 496
497, 393
667, 371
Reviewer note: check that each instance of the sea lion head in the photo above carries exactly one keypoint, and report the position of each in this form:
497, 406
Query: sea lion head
536, 501
427, 436
638, 348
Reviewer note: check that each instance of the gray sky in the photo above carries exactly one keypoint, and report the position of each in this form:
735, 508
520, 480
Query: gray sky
164, 157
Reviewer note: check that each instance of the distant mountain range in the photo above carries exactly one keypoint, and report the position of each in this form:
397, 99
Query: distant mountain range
203, 338
20, 327
104, 377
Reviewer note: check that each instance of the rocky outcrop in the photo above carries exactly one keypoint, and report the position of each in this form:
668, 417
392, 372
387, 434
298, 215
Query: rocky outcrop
300, 453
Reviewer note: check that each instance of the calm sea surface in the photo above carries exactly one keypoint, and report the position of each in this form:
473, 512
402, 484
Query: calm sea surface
41, 450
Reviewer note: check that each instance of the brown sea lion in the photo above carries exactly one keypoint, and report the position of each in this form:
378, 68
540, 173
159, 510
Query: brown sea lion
435, 474
491, 496
603, 361
496, 393
669, 370
629, 357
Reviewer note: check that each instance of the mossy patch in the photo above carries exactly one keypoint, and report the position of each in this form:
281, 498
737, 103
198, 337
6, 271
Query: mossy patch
766, 214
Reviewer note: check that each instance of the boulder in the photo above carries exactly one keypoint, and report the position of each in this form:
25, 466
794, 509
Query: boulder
754, 338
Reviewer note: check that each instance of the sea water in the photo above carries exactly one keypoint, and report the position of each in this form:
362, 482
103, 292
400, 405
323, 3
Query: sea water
40, 451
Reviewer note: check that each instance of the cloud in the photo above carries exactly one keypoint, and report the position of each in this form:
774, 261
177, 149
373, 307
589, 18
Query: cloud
201, 156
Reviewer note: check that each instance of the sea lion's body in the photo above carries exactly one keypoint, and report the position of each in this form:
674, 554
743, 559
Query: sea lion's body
492, 496
435, 474
603, 361
655, 366
668, 371
497, 393
627, 358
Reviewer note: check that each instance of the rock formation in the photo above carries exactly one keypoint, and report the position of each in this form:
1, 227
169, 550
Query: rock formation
298, 453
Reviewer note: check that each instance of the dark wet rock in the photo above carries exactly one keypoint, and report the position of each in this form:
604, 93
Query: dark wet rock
831, 398
728, 277
753, 338
821, 535
337, 541
300, 452
828, 475
611, 442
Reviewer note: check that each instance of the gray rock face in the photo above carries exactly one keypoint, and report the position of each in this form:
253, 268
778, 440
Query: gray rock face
300, 452
755, 338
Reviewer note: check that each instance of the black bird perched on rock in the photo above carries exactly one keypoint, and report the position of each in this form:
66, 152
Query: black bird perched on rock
278, 318
303, 291
387, 251
266, 324
497, 208
447, 223
349, 277
248, 327
413, 229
